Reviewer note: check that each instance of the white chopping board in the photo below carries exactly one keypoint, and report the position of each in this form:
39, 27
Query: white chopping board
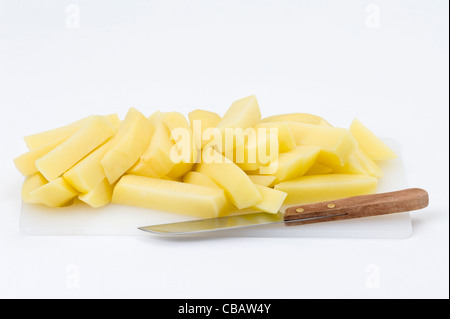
79, 219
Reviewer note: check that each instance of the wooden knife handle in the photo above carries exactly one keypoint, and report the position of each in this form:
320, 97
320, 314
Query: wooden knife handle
357, 207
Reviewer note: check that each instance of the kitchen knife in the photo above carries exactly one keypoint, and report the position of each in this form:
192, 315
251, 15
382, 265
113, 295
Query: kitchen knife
341, 209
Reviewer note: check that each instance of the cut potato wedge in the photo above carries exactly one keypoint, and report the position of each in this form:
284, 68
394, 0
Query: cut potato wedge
370, 143
99, 196
200, 121
292, 164
26, 163
260, 149
88, 173
94, 132
337, 144
31, 183
238, 187
272, 200
318, 188
242, 114
56, 193
127, 146
157, 154
39, 139
184, 152
169, 196
286, 139
114, 120
369, 165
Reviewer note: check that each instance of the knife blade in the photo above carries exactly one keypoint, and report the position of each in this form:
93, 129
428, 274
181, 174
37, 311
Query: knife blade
341, 209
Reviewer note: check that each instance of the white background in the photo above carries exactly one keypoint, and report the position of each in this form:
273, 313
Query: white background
385, 62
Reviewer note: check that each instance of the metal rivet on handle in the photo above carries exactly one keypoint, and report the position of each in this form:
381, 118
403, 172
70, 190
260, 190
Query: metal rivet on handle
300, 210
331, 205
